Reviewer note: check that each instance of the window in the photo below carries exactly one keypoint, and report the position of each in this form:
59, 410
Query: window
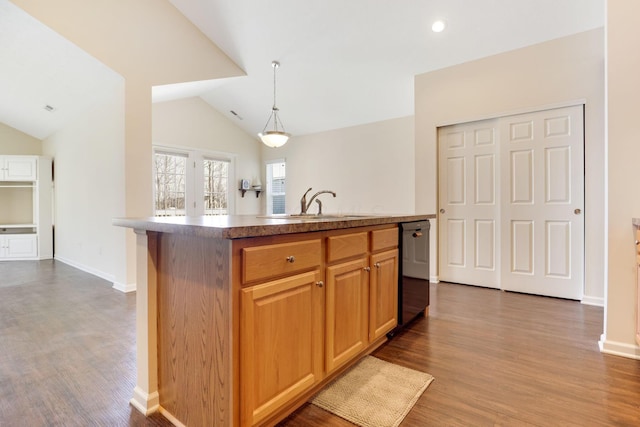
216, 187
276, 174
189, 182
170, 184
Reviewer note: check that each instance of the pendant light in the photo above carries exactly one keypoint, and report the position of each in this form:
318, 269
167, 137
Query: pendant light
277, 137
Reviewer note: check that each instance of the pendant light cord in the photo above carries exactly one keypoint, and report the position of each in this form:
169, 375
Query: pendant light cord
275, 65
277, 123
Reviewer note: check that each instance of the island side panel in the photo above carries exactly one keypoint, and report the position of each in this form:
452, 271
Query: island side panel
194, 329
145, 395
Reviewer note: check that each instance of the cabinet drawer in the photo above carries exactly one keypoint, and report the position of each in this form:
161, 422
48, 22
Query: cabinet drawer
263, 262
345, 246
384, 239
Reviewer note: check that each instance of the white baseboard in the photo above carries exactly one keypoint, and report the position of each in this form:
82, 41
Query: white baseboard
597, 301
126, 288
615, 348
434, 279
147, 403
101, 274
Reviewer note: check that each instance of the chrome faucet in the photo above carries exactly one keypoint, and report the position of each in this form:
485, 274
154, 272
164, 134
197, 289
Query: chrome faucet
304, 206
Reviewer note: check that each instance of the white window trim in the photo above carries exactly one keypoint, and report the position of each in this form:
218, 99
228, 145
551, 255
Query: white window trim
268, 193
195, 175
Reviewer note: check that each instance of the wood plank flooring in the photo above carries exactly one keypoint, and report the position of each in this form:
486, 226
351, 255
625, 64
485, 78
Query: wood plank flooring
67, 349
67, 358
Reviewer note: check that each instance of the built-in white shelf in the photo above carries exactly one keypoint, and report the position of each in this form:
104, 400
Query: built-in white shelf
17, 185
26, 230
16, 231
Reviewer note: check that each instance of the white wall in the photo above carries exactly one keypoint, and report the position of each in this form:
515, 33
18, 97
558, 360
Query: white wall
89, 186
370, 167
147, 45
546, 74
623, 93
12, 141
192, 123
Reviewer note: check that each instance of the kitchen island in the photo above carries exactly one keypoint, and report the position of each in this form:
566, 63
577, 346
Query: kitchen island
240, 319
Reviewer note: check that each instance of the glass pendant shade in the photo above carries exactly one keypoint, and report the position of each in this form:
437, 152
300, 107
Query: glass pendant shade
277, 137
274, 138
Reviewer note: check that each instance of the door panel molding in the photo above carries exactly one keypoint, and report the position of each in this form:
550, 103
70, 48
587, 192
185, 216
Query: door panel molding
509, 190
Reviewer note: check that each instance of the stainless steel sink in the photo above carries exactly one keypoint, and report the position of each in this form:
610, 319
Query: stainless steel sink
314, 217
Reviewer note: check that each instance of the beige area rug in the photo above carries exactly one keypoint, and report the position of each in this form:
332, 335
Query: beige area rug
374, 393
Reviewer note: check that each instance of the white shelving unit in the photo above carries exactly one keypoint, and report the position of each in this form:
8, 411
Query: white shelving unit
26, 230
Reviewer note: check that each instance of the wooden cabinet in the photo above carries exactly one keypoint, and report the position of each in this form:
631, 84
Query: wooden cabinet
26, 230
266, 261
383, 291
383, 300
281, 343
347, 308
281, 316
235, 317
362, 292
309, 305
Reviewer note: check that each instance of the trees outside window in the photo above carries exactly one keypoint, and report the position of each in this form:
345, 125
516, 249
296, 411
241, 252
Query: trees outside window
189, 182
170, 184
216, 187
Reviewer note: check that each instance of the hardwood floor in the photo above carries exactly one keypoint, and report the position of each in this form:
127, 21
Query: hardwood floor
507, 359
67, 349
67, 358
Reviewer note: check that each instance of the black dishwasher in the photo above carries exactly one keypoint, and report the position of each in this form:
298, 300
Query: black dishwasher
413, 272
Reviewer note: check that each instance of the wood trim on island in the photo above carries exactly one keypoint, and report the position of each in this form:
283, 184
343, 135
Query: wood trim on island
145, 395
188, 326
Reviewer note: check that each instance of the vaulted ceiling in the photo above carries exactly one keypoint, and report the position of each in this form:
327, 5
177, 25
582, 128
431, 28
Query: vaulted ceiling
343, 63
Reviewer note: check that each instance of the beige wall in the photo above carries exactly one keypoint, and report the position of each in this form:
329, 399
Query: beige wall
192, 123
370, 167
623, 93
535, 77
146, 45
12, 141
88, 187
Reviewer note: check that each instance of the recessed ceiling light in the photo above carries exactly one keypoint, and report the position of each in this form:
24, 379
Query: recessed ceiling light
438, 26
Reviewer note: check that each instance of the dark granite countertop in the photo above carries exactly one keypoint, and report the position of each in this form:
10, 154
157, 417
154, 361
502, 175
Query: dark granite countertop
243, 226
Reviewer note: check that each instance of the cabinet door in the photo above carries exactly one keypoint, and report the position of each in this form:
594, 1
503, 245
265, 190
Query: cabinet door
19, 246
347, 311
19, 168
280, 343
383, 293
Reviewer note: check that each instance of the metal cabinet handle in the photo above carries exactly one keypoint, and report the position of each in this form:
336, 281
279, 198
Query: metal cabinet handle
442, 211
577, 211
291, 259
376, 265
320, 284
417, 234
367, 269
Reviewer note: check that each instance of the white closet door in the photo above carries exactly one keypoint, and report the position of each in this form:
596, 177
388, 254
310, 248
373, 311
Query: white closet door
468, 221
542, 178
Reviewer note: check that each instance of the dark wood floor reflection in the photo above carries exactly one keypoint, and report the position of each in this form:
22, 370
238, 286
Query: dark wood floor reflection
67, 349
508, 359
67, 356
